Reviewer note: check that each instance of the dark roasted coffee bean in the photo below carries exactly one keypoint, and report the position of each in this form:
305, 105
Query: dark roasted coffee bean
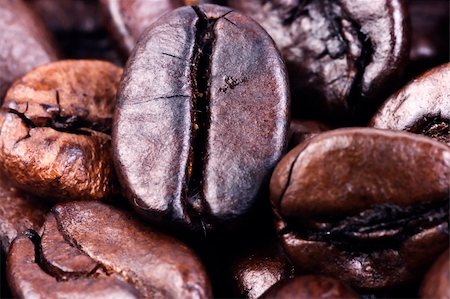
18, 212
365, 205
24, 42
422, 106
341, 55
301, 130
204, 103
310, 286
127, 19
88, 248
430, 34
437, 280
55, 130
256, 269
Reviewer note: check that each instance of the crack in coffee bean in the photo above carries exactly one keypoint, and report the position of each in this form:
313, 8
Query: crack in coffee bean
100, 274
194, 198
361, 63
45, 266
436, 127
383, 226
97, 270
73, 124
66, 124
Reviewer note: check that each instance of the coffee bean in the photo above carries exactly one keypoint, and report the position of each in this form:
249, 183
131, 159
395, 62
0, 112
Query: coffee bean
127, 19
422, 106
19, 211
55, 130
310, 286
24, 42
341, 55
365, 205
436, 283
204, 103
301, 130
88, 247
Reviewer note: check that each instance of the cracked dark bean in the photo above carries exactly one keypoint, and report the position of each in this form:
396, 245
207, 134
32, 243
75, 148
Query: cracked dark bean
55, 130
310, 286
365, 205
24, 42
436, 283
19, 211
341, 55
421, 107
127, 19
89, 249
204, 101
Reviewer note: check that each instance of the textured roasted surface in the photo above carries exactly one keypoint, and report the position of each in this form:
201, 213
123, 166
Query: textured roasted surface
204, 101
436, 283
55, 130
24, 43
19, 211
341, 55
127, 19
120, 257
369, 206
310, 286
421, 107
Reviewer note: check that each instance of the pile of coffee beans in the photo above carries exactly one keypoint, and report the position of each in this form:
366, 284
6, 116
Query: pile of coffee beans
224, 149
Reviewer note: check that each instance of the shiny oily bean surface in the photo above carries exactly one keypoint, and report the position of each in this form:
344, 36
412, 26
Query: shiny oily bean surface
310, 286
19, 211
25, 43
86, 246
341, 55
422, 106
204, 103
367, 205
436, 283
258, 268
55, 130
127, 19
